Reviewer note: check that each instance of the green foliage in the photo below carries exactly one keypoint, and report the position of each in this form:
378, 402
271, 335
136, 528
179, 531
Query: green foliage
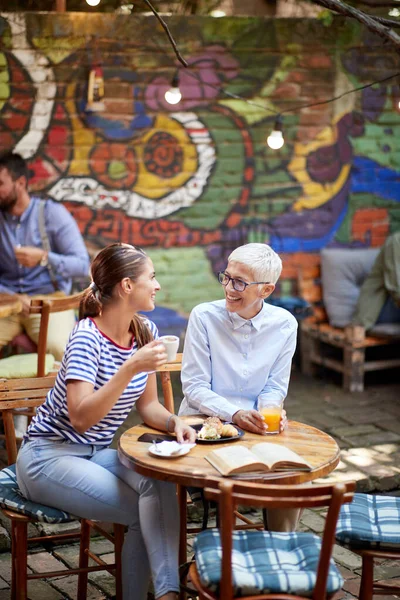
326, 17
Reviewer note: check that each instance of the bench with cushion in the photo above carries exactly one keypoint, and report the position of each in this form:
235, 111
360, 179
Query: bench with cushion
331, 285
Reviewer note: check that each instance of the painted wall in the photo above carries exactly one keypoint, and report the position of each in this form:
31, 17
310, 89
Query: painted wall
191, 182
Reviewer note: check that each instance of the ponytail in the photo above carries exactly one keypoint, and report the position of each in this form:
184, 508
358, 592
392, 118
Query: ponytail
141, 331
90, 305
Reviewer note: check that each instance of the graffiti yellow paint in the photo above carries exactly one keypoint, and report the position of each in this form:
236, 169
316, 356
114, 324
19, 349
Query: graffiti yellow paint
4, 81
316, 194
162, 168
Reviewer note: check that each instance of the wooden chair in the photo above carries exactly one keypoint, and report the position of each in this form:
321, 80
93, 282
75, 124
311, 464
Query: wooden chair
215, 578
370, 526
30, 393
23, 396
165, 376
43, 307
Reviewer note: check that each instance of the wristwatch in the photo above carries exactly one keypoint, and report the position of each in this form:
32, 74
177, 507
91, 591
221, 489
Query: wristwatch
44, 261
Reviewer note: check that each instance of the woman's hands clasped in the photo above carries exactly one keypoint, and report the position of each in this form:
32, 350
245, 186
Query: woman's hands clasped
149, 357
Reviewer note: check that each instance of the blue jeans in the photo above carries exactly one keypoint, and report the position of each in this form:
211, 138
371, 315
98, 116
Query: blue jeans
90, 482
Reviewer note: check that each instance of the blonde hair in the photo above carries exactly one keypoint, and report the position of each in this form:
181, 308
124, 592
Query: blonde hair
264, 262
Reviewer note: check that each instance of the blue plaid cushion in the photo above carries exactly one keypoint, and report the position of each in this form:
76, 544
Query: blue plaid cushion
370, 522
12, 499
264, 562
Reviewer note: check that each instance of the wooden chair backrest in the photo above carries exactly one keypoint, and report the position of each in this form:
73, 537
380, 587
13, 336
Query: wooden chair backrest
165, 376
20, 393
44, 307
229, 494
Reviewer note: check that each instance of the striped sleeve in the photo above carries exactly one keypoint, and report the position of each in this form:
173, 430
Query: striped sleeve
153, 328
82, 356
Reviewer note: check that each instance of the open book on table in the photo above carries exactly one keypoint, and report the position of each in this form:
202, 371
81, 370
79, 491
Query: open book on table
263, 457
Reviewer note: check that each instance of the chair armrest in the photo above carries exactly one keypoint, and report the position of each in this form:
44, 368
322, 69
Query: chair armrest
355, 334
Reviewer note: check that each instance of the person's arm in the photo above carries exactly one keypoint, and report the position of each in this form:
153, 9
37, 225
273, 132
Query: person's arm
279, 376
25, 299
68, 255
196, 373
5, 290
278, 380
87, 407
391, 272
156, 415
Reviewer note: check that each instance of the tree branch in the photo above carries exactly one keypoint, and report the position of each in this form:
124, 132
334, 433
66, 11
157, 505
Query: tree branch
369, 21
387, 22
377, 4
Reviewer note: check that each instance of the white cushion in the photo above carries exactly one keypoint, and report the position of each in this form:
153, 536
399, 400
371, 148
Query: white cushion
343, 273
23, 365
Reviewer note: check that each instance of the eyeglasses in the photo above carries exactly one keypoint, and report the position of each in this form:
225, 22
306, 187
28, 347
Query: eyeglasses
237, 284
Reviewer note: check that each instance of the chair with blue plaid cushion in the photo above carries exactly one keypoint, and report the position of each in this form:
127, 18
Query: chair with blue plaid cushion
370, 526
196, 494
263, 564
30, 393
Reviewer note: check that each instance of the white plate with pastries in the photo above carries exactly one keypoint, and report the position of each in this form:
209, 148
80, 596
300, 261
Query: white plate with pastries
215, 431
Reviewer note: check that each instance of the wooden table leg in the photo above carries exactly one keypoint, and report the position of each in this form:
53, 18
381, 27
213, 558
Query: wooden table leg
182, 501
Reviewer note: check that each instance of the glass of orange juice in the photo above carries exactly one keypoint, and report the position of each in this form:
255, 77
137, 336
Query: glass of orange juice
270, 405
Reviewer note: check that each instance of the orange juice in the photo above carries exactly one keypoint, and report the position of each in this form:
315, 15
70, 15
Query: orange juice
272, 417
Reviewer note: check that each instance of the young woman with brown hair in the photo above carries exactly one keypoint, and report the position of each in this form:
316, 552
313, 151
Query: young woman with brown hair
108, 367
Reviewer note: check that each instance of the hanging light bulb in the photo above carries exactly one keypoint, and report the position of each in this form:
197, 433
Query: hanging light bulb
93, 2
275, 139
173, 95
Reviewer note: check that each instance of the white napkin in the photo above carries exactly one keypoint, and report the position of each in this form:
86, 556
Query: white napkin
169, 448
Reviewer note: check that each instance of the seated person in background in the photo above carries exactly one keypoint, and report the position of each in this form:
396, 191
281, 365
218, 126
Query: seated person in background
108, 367
27, 268
379, 300
239, 347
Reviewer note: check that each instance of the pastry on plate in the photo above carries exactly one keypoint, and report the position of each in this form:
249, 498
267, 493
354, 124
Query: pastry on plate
229, 430
211, 429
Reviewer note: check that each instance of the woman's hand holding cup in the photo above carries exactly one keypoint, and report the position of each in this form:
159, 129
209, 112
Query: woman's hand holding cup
149, 357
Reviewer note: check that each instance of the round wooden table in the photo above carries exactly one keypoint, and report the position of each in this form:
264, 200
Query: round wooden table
317, 447
9, 305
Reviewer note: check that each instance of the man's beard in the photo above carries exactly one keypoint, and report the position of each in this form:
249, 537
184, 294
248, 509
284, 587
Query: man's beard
6, 204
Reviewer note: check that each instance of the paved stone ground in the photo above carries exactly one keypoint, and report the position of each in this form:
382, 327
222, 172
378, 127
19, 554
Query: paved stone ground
367, 429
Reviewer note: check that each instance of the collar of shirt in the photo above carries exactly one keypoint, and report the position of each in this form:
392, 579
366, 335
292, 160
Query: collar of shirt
237, 321
25, 215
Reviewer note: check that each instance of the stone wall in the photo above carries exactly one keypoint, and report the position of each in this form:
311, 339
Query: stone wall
192, 181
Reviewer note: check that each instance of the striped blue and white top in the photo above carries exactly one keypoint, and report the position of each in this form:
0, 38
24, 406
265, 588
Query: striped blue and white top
93, 357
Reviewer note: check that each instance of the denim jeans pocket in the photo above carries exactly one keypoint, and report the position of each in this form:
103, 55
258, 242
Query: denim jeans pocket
40, 446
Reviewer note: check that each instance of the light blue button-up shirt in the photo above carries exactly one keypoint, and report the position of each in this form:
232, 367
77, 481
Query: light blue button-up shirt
68, 255
228, 361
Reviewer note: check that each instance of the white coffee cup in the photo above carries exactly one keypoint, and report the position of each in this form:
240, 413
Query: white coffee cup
171, 343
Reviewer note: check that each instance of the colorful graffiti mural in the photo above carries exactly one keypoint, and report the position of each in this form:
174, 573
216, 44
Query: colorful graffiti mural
192, 183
